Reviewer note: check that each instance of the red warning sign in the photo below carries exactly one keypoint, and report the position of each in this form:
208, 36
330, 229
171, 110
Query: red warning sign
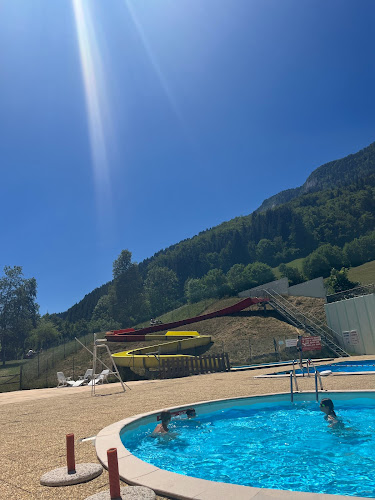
311, 344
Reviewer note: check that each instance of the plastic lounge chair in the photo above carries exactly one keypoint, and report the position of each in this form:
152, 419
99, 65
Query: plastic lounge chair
100, 379
62, 381
84, 379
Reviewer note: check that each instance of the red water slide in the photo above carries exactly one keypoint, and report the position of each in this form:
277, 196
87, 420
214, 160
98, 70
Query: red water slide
123, 335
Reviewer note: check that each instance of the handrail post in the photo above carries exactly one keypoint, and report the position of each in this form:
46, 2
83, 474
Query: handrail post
291, 387
316, 386
295, 376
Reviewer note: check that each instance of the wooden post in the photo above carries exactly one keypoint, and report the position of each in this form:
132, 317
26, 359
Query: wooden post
192, 364
205, 364
227, 360
222, 362
162, 369
210, 362
200, 365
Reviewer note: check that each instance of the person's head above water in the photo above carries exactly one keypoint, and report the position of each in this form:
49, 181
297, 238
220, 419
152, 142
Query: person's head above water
326, 405
165, 417
190, 413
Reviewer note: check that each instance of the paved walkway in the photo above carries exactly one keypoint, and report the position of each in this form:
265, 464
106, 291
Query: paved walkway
34, 423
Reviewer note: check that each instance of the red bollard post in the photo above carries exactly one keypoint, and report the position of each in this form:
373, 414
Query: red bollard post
71, 462
114, 477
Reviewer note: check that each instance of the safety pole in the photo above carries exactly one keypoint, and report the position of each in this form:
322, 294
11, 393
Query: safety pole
70, 460
114, 477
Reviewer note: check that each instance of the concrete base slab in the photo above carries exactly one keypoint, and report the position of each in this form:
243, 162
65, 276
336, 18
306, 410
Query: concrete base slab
129, 493
60, 477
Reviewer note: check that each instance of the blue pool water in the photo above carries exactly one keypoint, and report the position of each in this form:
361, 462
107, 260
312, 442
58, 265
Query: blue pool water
271, 445
343, 366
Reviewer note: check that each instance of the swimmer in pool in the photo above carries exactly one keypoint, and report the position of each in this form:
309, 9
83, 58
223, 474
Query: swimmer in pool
163, 427
326, 406
190, 413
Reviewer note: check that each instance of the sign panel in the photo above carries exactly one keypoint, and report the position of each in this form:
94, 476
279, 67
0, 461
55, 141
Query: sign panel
346, 337
311, 344
290, 342
354, 337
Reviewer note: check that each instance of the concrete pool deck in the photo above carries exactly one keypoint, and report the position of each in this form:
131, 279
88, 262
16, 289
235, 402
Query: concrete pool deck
34, 423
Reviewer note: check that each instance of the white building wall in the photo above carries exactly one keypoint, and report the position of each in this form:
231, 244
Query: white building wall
280, 286
354, 315
312, 288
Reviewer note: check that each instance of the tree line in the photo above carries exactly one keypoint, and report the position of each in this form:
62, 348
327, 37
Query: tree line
338, 217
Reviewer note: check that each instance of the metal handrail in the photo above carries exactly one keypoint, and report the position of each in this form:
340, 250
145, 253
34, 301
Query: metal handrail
288, 309
295, 376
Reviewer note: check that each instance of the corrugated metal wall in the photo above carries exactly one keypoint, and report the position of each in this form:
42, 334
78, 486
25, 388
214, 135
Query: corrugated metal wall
355, 319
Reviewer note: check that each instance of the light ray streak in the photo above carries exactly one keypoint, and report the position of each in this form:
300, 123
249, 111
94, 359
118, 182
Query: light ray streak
96, 103
153, 60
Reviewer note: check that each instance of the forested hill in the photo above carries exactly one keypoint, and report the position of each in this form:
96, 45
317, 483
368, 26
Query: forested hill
337, 173
330, 215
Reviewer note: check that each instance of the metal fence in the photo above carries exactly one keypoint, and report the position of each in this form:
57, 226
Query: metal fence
354, 292
40, 371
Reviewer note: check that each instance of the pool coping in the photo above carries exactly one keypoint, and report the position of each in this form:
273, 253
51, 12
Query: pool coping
134, 471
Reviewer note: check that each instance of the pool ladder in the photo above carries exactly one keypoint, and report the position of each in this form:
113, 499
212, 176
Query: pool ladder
293, 377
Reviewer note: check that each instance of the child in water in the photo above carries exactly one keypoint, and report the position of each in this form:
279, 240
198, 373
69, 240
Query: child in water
162, 428
326, 406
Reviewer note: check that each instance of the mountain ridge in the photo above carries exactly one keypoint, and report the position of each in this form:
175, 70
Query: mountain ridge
341, 172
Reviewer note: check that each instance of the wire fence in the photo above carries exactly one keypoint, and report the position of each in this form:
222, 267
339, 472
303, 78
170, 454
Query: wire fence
40, 371
73, 360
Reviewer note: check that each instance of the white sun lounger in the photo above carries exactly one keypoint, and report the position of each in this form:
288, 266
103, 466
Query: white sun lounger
85, 379
62, 381
101, 378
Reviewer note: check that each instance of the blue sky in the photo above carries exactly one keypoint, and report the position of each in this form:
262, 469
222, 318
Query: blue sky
138, 123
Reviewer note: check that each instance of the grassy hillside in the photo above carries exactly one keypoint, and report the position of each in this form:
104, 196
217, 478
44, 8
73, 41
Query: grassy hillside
248, 336
365, 273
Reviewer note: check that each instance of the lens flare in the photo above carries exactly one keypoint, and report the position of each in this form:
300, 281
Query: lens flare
151, 56
96, 103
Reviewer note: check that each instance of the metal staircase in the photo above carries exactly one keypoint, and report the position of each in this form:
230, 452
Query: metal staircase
306, 322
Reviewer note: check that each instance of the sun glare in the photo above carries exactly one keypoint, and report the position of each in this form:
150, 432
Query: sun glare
151, 56
96, 102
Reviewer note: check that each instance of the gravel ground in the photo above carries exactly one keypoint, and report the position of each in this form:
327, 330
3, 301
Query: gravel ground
34, 423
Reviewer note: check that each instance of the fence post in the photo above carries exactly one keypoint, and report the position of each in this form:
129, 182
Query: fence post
20, 377
38, 365
73, 369
47, 373
227, 360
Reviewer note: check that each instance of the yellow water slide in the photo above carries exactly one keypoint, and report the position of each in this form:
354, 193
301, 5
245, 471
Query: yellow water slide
152, 356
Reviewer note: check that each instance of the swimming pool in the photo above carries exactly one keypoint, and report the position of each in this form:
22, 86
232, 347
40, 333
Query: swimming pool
288, 447
341, 367
283, 446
